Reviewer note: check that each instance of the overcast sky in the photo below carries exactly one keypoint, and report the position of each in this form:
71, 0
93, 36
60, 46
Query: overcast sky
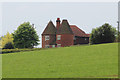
86, 15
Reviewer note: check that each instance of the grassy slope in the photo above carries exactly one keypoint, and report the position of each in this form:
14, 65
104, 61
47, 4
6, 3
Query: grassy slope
78, 61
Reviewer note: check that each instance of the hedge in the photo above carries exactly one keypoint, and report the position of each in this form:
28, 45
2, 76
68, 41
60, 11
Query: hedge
17, 50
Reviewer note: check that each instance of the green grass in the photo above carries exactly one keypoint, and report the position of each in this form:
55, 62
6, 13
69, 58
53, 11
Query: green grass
68, 62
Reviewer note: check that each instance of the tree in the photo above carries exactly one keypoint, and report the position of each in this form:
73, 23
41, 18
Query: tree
8, 38
103, 34
25, 36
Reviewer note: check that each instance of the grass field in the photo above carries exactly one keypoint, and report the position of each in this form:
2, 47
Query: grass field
68, 62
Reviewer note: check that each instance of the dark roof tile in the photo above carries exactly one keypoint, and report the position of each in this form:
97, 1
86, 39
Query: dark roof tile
50, 29
78, 32
64, 28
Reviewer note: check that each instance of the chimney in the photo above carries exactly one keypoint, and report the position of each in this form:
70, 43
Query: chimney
58, 23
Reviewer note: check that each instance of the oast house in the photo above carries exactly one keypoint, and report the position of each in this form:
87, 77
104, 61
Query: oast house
63, 35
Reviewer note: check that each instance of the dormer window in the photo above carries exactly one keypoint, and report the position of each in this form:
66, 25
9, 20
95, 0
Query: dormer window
47, 38
58, 37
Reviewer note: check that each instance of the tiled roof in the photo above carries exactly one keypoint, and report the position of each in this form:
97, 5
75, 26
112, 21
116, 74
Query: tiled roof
50, 29
78, 32
64, 28
88, 35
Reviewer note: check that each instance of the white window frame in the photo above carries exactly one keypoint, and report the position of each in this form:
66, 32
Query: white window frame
58, 45
74, 38
58, 37
47, 46
47, 37
53, 46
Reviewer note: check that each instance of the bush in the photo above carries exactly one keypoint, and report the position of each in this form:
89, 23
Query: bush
8, 45
6, 39
118, 37
18, 50
104, 34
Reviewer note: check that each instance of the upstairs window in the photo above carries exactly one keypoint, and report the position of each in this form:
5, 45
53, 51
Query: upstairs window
58, 37
47, 38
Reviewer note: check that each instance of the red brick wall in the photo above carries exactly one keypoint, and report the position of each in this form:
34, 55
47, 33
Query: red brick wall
47, 42
81, 40
66, 40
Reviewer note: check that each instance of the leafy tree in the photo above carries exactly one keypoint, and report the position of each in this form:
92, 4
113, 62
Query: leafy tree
8, 38
25, 36
103, 34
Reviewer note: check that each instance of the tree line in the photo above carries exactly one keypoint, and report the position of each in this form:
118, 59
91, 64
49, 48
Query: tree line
26, 36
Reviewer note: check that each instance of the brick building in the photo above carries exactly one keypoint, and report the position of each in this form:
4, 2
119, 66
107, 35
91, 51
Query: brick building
63, 35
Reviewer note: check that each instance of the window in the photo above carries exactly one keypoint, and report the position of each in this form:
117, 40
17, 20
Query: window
53, 46
47, 38
85, 39
74, 38
47, 46
58, 37
58, 45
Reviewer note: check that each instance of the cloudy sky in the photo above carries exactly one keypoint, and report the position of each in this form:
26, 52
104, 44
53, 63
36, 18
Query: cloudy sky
86, 15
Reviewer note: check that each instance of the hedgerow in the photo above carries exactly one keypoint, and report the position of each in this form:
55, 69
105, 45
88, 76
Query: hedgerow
17, 50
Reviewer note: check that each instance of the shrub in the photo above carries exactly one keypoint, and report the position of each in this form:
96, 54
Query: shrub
6, 39
18, 50
118, 37
9, 45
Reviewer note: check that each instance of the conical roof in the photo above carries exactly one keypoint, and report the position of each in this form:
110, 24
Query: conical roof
64, 28
50, 29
